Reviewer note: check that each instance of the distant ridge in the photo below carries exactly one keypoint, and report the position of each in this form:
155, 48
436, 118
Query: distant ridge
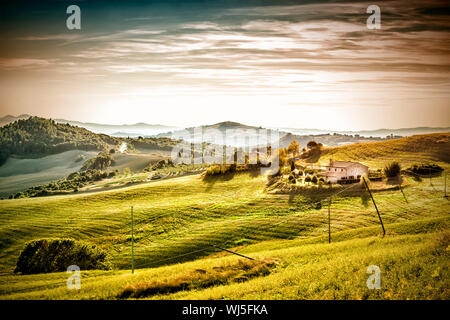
374, 133
158, 130
132, 130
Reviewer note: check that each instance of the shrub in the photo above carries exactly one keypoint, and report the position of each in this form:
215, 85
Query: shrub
292, 178
392, 170
311, 144
100, 162
308, 179
55, 255
285, 171
314, 179
292, 166
213, 171
426, 169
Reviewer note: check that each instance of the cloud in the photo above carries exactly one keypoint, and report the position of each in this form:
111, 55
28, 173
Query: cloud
278, 48
17, 63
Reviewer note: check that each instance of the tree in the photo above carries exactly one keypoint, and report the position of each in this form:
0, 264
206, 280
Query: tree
312, 144
292, 179
282, 157
293, 148
392, 170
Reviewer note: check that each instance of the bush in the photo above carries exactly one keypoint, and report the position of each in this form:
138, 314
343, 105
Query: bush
100, 162
426, 169
392, 170
216, 170
314, 179
285, 171
55, 255
308, 179
292, 178
311, 144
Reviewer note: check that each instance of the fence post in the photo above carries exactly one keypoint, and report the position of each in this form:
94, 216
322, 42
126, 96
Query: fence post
329, 219
376, 208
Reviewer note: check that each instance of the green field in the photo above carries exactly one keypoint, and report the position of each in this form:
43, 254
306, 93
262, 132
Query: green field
178, 220
423, 148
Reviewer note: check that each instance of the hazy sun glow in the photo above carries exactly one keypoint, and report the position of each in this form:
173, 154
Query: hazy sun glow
307, 65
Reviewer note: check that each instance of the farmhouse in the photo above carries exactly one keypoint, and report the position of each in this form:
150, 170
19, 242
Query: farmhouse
344, 170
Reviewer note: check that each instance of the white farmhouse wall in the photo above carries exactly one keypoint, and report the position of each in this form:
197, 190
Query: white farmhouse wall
357, 170
345, 170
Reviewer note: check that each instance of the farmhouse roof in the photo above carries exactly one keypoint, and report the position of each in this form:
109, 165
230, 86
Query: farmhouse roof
343, 164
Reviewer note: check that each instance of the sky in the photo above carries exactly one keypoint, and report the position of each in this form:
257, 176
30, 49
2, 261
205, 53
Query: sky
284, 63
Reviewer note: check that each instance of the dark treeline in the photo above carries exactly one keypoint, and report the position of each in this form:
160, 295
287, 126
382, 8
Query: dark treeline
38, 137
152, 143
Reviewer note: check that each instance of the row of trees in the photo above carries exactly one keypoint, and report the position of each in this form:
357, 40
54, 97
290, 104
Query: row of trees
288, 155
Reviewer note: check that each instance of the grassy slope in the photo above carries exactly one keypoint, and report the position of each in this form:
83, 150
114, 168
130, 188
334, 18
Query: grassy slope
420, 148
176, 218
19, 174
413, 260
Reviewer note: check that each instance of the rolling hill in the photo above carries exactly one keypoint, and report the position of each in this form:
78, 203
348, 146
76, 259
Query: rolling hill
178, 221
36, 151
427, 148
37, 137
123, 130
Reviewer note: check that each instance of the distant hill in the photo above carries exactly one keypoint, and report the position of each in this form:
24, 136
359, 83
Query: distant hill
9, 118
124, 130
227, 125
204, 133
331, 140
39, 137
379, 133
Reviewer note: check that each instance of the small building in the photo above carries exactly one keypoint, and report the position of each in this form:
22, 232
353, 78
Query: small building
337, 171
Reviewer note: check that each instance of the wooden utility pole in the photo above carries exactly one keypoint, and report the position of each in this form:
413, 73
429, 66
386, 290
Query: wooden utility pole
401, 189
376, 208
329, 220
132, 243
238, 254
